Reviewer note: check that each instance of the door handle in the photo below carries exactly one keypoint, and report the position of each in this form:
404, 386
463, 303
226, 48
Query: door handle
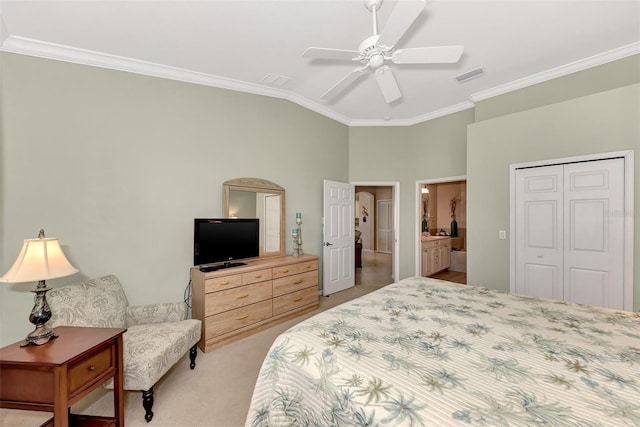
328, 244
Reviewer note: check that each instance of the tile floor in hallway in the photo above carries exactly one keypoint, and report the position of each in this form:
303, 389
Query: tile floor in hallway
376, 271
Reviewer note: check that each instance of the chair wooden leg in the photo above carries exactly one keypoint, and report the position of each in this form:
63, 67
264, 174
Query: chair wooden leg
147, 403
193, 352
147, 395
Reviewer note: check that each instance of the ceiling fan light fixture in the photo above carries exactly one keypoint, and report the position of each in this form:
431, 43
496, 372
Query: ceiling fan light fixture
376, 61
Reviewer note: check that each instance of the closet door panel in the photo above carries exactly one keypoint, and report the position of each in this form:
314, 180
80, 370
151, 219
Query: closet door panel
590, 287
594, 232
539, 244
541, 280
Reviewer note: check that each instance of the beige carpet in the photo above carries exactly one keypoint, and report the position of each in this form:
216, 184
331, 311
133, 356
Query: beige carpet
218, 391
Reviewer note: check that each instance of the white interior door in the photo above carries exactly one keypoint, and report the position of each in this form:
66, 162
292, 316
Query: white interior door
570, 232
539, 231
385, 226
594, 233
339, 241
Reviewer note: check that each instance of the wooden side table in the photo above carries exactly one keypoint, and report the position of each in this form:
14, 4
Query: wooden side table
54, 376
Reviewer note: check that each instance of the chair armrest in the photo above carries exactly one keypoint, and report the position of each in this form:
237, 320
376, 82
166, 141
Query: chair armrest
156, 313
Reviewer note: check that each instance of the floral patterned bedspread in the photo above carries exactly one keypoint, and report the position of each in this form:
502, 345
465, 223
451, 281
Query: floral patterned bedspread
424, 352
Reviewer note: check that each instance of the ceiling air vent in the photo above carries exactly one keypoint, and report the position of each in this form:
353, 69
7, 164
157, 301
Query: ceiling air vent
275, 80
469, 75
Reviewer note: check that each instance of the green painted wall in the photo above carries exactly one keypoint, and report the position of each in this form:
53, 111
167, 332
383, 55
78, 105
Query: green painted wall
603, 122
604, 77
433, 149
117, 165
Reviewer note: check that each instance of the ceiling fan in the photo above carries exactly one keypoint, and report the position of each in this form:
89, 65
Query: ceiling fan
377, 50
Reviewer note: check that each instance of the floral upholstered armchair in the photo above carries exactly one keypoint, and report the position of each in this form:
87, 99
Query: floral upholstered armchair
158, 335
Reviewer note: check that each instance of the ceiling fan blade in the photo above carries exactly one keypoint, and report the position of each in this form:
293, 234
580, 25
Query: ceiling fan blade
324, 53
428, 55
344, 82
403, 15
387, 84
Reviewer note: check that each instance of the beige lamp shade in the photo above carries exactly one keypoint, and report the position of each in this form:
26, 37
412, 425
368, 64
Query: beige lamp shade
39, 259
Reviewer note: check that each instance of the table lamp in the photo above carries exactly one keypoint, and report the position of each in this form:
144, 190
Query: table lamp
40, 259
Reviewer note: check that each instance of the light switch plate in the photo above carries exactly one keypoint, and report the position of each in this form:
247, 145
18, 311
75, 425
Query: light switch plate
502, 234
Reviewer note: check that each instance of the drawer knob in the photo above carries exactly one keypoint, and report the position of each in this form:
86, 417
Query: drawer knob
92, 368
257, 276
297, 282
242, 317
297, 299
224, 283
285, 271
242, 296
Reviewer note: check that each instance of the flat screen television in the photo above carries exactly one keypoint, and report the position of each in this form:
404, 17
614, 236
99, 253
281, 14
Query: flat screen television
223, 240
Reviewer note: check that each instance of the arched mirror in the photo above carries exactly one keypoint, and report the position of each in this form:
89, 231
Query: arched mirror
262, 199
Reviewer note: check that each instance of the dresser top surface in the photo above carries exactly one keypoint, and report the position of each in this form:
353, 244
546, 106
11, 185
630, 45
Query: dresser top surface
259, 263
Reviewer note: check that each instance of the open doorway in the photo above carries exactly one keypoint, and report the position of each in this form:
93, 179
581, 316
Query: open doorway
376, 224
441, 229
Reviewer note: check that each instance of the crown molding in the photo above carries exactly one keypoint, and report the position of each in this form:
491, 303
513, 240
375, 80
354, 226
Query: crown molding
465, 105
318, 108
37, 48
561, 71
30, 47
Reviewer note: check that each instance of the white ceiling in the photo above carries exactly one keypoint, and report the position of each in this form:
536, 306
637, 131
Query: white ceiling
235, 44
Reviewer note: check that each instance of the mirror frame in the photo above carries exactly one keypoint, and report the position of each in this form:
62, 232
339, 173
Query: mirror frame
257, 185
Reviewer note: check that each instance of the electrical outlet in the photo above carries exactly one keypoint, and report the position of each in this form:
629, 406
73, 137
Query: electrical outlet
502, 234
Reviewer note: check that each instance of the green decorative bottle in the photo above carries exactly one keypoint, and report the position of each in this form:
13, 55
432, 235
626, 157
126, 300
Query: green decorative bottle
454, 227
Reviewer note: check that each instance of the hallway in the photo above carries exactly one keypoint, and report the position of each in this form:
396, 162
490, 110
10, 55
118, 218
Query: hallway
376, 271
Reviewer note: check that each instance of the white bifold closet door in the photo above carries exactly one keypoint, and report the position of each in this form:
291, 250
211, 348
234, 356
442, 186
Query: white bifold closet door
570, 232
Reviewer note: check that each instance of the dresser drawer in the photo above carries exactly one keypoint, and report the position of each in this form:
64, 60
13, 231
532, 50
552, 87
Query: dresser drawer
83, 372
288, 270
288, 284
216, 284
228, 321
256, 276
294, 300
230, 299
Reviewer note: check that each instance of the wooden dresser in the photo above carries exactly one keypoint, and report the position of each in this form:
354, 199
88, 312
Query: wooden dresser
233, 303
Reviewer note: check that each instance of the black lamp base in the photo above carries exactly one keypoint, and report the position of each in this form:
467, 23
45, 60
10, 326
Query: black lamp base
40, 315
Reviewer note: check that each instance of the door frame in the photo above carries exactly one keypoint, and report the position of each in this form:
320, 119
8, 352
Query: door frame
418, 218
628, 156
395, 197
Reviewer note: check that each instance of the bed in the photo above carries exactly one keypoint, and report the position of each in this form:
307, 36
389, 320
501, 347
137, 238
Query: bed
425, 352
